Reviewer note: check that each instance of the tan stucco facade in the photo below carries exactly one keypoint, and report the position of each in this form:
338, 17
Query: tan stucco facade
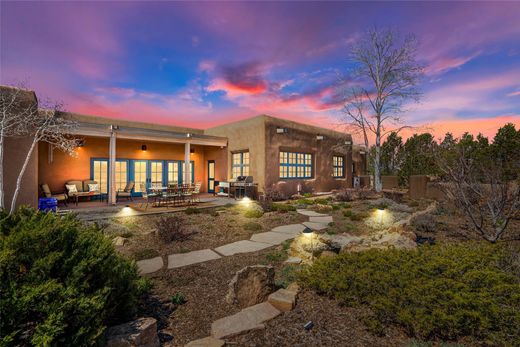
260, 136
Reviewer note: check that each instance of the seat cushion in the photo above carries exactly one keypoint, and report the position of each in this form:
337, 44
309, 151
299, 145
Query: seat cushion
72, 189
123, 193
60, 197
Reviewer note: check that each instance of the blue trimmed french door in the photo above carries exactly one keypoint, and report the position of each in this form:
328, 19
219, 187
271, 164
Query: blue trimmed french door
144, 173
211, 176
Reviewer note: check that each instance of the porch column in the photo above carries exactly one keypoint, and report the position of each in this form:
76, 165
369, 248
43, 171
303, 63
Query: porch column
111, 169
187, 166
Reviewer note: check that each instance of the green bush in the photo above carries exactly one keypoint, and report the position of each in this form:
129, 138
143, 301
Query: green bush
435, 292
253, 213
61, 282
178, 299
192, 210
283, 208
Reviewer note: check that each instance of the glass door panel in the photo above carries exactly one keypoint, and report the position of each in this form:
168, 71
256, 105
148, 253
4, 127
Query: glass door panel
121, 174
100, 173
140, 175
211, 176
173, 172
156, 173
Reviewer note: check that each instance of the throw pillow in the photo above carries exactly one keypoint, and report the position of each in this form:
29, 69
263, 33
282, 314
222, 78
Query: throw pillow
71, 188
93, 187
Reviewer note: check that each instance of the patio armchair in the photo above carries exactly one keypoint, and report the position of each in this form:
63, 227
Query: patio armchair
146, 195
196, 192
126, 192
187, 193
60, 196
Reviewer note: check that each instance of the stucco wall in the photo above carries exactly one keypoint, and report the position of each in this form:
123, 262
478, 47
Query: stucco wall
64, 168
245, 135
15, 152
390, 182
302, 138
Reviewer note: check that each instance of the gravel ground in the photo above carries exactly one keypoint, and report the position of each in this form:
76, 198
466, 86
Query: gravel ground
204, 286
210, 231
334, 325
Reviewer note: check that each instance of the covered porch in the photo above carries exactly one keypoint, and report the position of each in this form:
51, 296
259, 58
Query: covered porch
142, 158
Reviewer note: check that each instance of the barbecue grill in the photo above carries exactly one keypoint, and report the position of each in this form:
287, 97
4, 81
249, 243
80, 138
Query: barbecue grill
243, 186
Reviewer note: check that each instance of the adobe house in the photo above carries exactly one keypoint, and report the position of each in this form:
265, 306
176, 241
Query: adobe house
113, 151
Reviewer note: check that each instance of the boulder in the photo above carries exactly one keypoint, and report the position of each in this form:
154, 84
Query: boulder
141, 332
337, 242
304, 246
251, 285
119, 241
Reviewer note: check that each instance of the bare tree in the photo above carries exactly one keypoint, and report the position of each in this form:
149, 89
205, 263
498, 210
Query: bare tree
21, 117
16, 105
482, 191
45, 125
387, 75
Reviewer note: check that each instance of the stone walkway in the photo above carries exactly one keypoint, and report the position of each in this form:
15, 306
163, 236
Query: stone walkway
257, 242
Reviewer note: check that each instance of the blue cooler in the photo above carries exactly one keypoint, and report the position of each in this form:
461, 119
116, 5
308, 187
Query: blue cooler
47, 204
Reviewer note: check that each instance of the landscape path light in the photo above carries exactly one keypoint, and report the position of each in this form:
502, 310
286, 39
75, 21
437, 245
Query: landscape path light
309, 233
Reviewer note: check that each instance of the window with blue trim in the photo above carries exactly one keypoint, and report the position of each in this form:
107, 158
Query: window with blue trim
338, 166
295, 165
239, 164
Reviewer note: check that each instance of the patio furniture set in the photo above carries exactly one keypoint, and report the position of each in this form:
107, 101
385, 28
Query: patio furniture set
158, 196
172, 195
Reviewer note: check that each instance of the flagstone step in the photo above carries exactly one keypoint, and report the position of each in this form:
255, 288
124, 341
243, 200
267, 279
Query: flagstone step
206, 342
310, 213
244, 246
270, 237
283, 299
248, 319
316, 226
291, 229
150, 265
184, 259
324, 219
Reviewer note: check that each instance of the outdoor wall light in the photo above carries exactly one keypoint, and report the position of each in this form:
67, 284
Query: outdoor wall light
282, 130
361, 152
188, 135
348, 143
143, 148
320, 137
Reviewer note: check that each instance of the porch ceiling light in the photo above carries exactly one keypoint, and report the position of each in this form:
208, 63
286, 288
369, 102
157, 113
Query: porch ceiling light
144, 148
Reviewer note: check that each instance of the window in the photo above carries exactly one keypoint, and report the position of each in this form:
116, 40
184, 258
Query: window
140, 175
121, 174
192, 171
240, 164
338, 164
295, 165
100, 174
173, 172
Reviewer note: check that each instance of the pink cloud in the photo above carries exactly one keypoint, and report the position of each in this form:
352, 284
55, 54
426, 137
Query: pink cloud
516, 93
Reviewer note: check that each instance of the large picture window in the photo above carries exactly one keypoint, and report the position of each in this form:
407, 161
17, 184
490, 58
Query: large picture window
295, 165
240, 164
338, 166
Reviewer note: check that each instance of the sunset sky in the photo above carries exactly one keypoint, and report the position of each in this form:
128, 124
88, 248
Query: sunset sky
204, 64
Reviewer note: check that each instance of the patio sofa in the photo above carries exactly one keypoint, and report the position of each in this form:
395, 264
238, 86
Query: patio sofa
82, 189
